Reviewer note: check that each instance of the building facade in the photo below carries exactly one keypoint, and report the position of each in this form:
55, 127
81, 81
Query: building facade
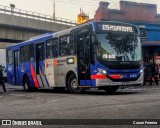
143, 15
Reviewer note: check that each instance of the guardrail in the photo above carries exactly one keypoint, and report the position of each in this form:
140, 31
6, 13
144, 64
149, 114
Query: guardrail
35, 15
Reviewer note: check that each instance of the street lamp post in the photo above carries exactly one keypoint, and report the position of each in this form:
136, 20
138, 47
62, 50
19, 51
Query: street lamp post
54, 14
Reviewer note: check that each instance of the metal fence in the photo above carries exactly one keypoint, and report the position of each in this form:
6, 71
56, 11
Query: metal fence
35, 15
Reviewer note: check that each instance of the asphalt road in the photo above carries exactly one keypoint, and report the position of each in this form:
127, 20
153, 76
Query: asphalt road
142, 102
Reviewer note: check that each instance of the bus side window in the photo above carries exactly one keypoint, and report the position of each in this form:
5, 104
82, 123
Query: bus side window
23, 56
71, 45
49, 50
75, 44
40, 51
32, 52
52, 48
66, 45
62, 45
9, 57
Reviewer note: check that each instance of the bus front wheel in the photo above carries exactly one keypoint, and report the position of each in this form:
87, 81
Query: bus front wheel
72, 85
111, 89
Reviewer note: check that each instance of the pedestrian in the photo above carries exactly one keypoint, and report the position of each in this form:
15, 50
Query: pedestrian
1, 79
146, 72
154, 71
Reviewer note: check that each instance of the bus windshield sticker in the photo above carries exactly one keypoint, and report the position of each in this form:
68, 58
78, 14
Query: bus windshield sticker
105, 56
112, 56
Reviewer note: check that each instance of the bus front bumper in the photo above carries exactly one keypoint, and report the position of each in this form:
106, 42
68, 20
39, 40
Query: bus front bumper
108, 82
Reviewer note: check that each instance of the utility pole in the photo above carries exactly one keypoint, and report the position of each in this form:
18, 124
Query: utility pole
54, 10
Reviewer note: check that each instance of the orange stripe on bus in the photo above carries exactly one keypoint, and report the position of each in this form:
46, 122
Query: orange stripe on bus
55, 62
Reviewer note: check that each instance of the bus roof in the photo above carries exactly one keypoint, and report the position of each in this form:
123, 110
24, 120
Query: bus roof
89, 23
49, 35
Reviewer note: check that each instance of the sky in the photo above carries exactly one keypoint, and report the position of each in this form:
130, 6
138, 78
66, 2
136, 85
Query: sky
67, 9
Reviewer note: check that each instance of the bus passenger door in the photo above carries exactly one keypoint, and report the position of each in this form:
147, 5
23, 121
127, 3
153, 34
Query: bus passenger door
16, 67
83, 59
51, 61
40, 64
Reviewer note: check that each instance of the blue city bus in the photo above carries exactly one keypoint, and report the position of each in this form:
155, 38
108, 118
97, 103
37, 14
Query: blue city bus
103, 55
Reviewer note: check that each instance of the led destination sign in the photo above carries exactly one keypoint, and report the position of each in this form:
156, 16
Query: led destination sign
119, 28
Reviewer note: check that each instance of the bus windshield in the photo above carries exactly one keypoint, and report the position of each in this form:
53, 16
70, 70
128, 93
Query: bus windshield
118, 46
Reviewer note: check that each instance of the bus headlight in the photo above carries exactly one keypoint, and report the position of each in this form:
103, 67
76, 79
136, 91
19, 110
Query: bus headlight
141, 71
102, 71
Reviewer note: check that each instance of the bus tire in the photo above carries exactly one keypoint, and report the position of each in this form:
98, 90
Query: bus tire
111, 89
72, 85
26, 84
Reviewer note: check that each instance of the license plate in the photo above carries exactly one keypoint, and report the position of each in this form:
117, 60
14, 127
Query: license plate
125, 83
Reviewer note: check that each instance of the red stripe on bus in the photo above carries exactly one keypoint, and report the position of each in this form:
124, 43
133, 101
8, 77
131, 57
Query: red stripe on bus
116, 76
98, 77
34, 77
